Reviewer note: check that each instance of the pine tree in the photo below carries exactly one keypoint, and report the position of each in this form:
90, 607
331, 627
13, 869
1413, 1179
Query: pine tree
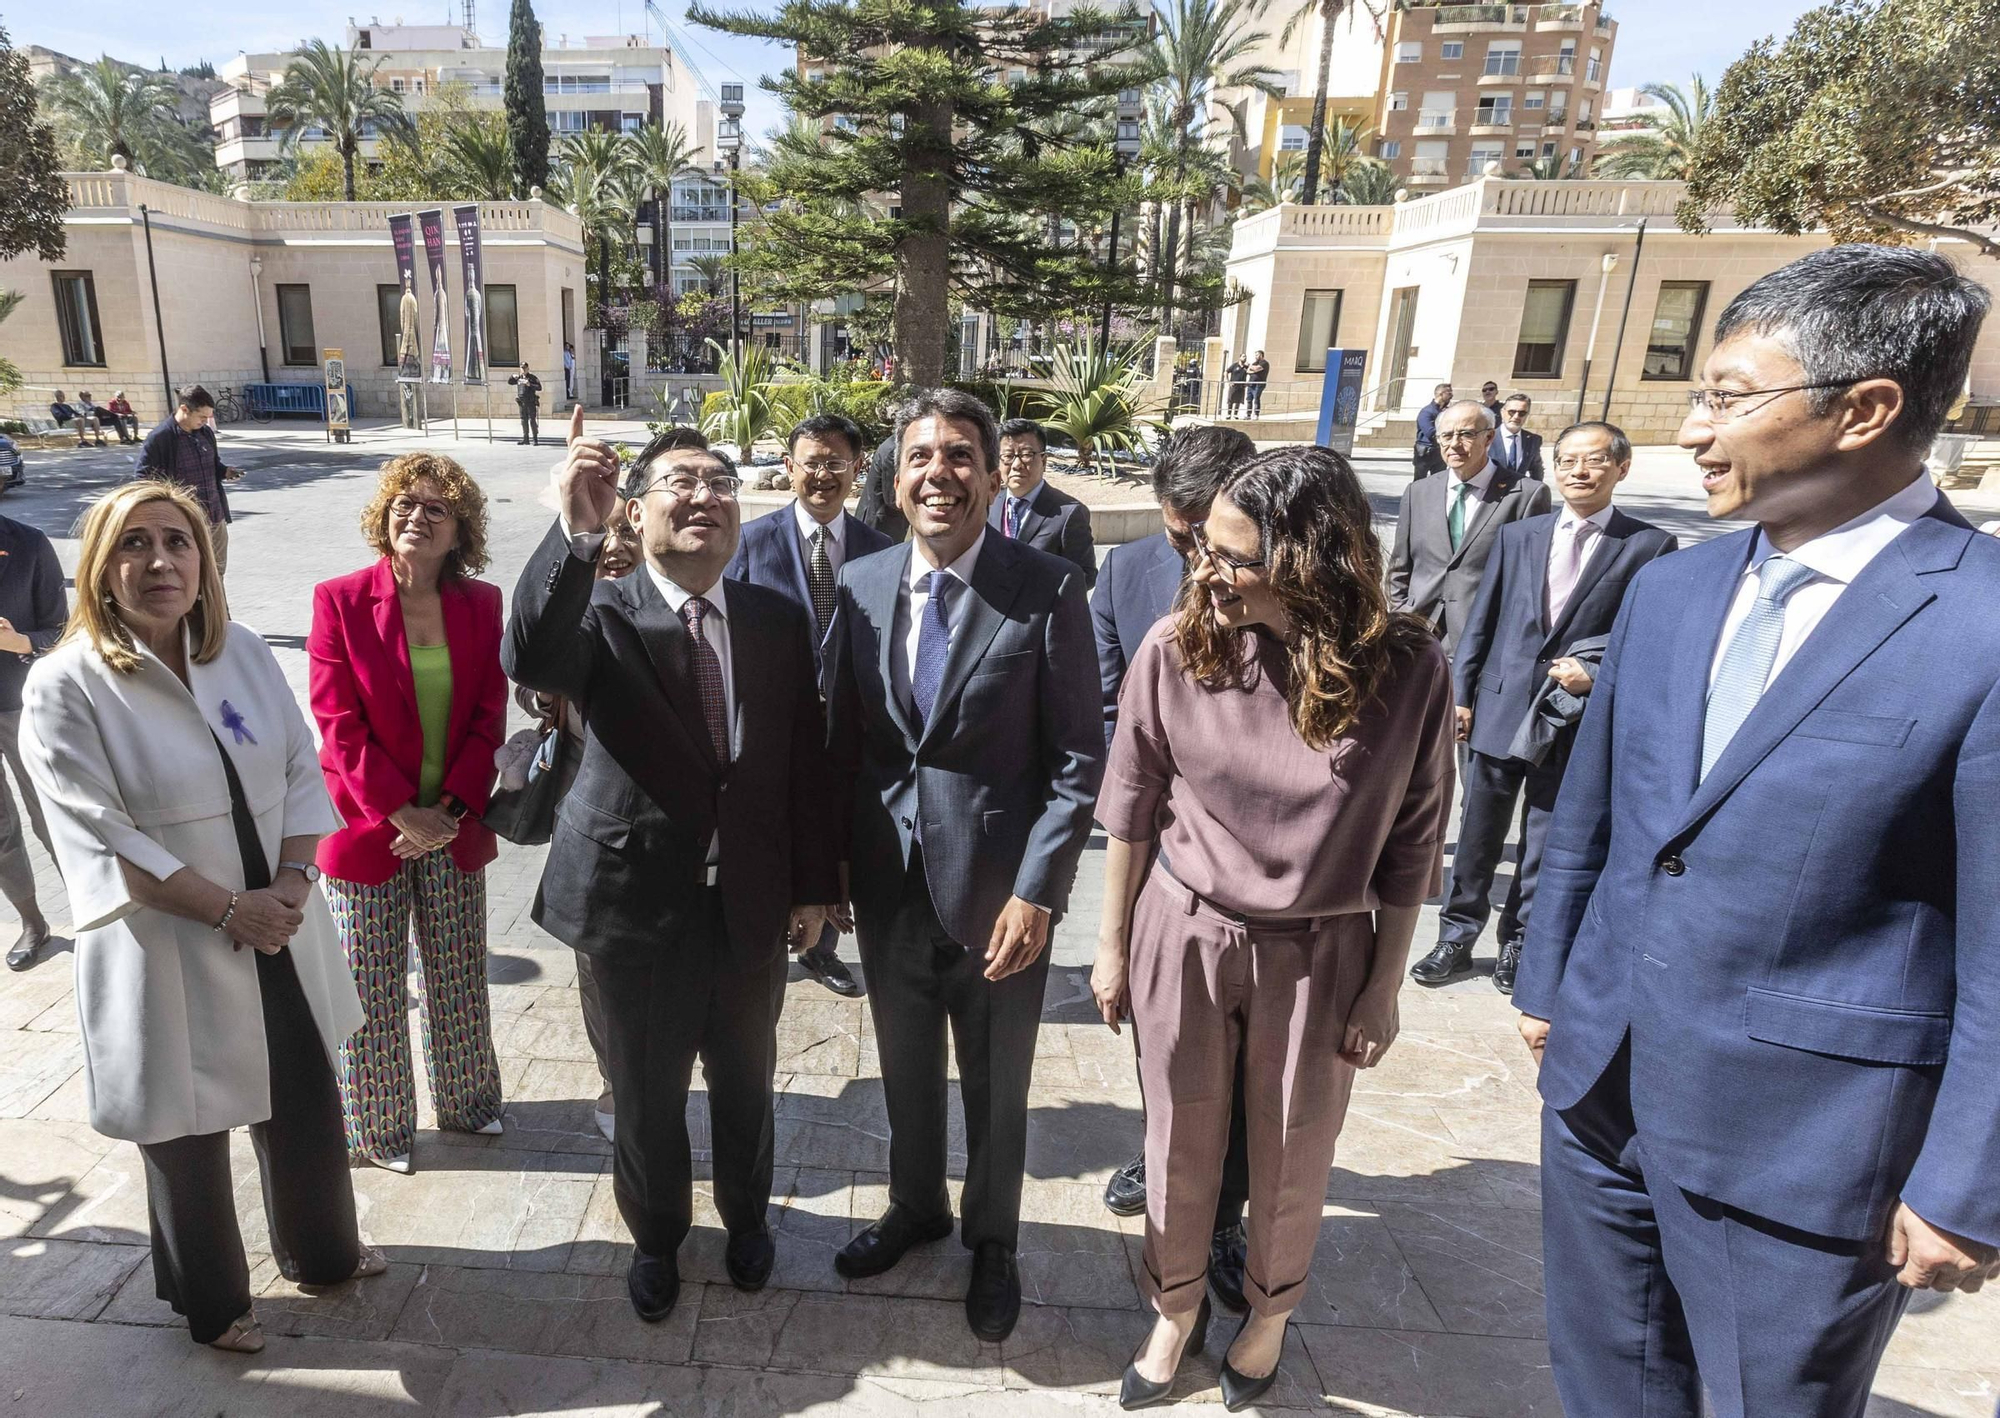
527, 115
940, 159
30, 172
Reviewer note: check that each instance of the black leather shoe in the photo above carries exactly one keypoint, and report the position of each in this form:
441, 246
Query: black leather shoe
1139, 1392
1227, 1252
748, 1259
993, 1300
1510, 961
826, 967
1125, 1193
34, 935
1238, 1393
1442, 965
654, 1285
885, 1242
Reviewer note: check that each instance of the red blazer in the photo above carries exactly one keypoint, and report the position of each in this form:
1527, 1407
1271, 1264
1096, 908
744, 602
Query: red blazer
365, 700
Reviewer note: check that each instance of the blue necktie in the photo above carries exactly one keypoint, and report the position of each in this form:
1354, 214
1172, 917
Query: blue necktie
932, 642
1746, 664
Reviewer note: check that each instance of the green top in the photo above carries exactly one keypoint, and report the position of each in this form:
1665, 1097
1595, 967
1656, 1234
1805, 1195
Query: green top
430, 666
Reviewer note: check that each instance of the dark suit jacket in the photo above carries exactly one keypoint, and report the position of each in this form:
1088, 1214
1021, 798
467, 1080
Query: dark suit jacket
877, 504
1053, 522
1425, 575
1531, 453
1138, 586
770, 553
1006, 772
633, 831
1503, 657
1804, 947
31, 599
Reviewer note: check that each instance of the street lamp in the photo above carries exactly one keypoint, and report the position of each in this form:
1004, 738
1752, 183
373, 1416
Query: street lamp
729, 139
1126, 147
257, 303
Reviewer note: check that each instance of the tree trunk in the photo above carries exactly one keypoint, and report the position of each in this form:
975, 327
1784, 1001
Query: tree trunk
923, 256
1316, 140
1171, 255
347, 169
662, 263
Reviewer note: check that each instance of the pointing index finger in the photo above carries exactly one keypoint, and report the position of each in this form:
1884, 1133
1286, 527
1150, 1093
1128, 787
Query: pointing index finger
576, 421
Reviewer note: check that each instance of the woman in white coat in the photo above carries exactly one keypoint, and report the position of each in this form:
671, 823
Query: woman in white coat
186, 800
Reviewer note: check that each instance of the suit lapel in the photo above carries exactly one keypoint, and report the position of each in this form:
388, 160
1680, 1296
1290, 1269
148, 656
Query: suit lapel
1614, 535
670, 650
1166, 576
880, 598
1039, 509
395, 640
1483, 511
1702, 613
1885, 595
976, 619
795, 557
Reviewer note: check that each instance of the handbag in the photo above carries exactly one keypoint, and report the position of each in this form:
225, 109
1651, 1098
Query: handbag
526, 816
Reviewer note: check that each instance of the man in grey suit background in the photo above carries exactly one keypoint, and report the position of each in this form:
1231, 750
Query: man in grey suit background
1447, 524
967, 733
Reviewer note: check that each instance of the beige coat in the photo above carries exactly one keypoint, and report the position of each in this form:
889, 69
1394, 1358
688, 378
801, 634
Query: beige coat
127, 766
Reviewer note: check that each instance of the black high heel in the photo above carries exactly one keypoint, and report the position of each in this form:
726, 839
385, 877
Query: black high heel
1139, 1392
1238, 1393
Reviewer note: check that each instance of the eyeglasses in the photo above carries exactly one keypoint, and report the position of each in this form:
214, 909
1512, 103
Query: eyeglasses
1720, 404
1596, 462
722, 487
1464, 436
412, 506
829, 467
1017, 455
1231, 567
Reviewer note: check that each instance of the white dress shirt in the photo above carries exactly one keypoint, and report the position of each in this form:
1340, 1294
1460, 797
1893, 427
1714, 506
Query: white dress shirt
1510, 439
836, 535
1837, 557
915, 595
1478, 482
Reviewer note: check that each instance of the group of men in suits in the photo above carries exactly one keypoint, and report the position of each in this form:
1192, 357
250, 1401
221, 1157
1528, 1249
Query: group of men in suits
903, 739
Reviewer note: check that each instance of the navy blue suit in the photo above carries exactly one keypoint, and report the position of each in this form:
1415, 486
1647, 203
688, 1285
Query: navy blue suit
771, 553
1135, 587
1502, 664
1774, 993
1529, 462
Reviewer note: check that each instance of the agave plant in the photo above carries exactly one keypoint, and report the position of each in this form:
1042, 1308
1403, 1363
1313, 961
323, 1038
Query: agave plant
750, 405
1094, 399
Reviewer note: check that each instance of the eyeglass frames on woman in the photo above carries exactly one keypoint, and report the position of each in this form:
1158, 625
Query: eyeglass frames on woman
1720, 404
411, 507
1222, 561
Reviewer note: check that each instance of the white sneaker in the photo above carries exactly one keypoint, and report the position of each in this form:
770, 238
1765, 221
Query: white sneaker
399, 1163
492, 1129
607, 1123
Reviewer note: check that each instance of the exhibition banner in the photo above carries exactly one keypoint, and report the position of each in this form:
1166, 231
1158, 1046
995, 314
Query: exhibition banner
431, 223
409, 340
473, 274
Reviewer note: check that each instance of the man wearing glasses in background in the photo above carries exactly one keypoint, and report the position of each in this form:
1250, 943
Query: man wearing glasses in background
1034, 513
698, 838
1514, 447
798, 551
1446, 526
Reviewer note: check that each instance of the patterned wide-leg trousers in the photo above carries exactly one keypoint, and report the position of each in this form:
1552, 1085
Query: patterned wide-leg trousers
444, 909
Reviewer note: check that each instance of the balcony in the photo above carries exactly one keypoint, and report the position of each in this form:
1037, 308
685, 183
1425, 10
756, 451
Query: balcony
701, 214
1491, 123
1551, 66
1557, 120
1559, 17
1429, 170
1503, 77
1463, 19
1441, 125
1586, 125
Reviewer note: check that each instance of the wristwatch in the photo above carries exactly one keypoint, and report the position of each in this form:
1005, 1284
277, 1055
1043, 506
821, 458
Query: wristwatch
308, 870
453, 807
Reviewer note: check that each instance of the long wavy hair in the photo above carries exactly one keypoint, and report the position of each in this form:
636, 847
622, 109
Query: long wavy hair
1325, 568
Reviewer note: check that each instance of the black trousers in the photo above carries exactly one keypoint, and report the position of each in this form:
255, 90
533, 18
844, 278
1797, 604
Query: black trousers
531, 427
1425, 460
920, 980
198, 1262
690, 1000
1492, 786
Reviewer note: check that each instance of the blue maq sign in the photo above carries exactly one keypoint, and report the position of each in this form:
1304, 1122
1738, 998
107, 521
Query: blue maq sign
1340, 400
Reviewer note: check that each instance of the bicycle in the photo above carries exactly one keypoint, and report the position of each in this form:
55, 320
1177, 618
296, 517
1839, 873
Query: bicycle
231, 407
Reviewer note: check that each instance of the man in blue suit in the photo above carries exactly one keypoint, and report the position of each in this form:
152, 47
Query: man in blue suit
1424, 456
1137, 587
1552, 581
1763, 974
965, 730
1516, 447
799, 550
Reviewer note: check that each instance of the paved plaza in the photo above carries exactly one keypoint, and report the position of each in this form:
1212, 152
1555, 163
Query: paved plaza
506, 1289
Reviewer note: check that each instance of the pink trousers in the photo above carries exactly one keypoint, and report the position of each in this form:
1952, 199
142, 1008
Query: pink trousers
1204, 987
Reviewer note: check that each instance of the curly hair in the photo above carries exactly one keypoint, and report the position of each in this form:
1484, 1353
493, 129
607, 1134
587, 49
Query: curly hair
468, 504
1325, 567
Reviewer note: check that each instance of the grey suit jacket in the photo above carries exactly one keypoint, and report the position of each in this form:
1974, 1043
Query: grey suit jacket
1056, 523
1425, 575
1005, 773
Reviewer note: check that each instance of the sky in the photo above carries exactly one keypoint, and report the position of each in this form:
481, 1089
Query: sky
1658, 40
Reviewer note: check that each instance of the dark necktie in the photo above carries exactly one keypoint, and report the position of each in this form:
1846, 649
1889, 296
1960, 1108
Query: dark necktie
708, 677
1009, 524
932, 642
819, 579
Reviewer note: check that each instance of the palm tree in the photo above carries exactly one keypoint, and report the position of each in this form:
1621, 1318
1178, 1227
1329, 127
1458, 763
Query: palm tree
1665, 148
711, 269
1203, 46
1369, 183
659, 155
1093, 399
596, 184
1326, 12
329, 89
481, 159
105, 110
1553, 168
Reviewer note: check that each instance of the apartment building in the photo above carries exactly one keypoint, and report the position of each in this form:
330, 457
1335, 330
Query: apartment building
1275, 125
1466, 87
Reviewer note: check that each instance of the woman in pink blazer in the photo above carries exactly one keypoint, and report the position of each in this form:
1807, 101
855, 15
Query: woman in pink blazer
411, 704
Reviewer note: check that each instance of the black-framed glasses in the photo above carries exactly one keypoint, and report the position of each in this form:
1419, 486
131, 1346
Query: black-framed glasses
1222, 561
723, 487
413, 506
1721, 404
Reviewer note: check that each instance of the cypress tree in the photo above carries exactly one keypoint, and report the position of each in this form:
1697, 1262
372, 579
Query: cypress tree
947, 161
527, 115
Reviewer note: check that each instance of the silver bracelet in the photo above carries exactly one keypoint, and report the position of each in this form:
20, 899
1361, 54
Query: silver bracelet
230, 914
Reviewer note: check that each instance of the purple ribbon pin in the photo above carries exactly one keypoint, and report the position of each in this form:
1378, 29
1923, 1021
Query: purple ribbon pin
233, 721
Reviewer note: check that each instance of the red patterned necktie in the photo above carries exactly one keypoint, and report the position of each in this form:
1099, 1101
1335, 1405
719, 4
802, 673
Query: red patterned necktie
708, 677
